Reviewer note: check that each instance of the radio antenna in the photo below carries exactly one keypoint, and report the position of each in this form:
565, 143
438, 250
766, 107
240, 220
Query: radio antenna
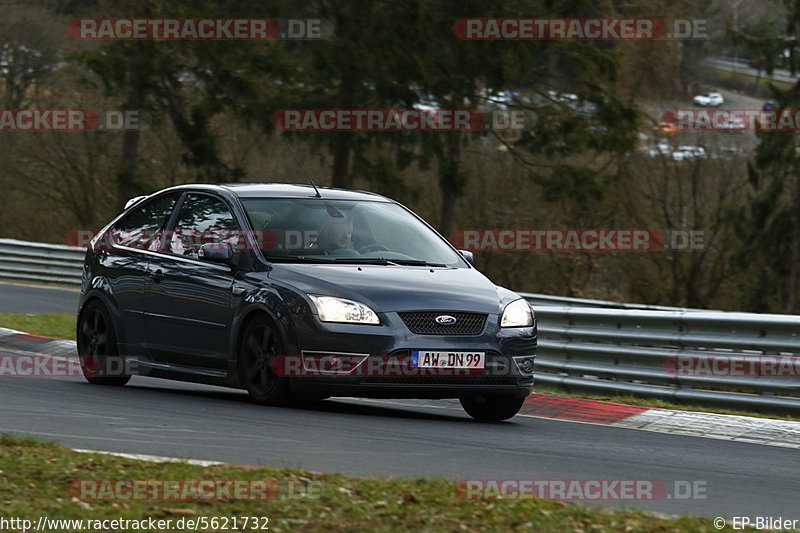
304, 169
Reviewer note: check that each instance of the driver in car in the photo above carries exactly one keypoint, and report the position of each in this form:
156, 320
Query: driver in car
335, 238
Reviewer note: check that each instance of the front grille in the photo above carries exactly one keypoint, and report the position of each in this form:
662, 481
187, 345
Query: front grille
442, 381
424, 323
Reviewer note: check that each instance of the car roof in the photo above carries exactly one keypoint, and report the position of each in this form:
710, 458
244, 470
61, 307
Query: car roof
284, 190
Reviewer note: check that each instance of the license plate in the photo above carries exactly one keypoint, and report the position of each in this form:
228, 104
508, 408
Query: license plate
432, 359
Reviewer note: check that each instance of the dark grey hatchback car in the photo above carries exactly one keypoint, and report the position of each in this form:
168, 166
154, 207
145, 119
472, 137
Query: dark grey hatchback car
293, 292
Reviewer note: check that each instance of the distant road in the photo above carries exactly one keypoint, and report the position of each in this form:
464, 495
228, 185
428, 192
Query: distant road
25, 299
743, 68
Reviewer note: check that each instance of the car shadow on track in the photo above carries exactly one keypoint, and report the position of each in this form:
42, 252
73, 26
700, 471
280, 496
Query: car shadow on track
343, 406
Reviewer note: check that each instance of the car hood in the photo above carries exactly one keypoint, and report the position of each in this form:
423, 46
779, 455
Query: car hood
398, 288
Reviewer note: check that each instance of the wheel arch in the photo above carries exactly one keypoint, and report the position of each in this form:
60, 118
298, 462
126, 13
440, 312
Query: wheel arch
98, 295
243, 320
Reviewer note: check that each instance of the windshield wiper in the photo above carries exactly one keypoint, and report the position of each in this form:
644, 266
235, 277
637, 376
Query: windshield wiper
331, 260
365, 260
297, 259
416, 262
353, 260
384, 261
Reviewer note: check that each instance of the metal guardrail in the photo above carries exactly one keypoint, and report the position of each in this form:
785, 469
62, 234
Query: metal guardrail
40, 263
538, 300
706, 357
589, 345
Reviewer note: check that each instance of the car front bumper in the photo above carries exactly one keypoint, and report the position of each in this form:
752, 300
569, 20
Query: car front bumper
393, 341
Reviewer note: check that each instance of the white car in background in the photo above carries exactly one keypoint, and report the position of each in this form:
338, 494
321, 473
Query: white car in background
685, 152
661, 149
570, 99
502, 100
712, 99
426, 102
734, 125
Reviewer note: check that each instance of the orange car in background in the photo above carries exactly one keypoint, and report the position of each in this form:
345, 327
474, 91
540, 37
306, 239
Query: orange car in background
665, 129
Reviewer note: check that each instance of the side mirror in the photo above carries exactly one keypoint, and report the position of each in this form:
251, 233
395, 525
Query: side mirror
216, 252
468, 256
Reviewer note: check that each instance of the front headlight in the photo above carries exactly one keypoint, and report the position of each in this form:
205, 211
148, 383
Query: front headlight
332, 309
517, 314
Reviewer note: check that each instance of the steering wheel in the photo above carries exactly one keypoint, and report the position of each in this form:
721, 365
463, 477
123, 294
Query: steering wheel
374, 247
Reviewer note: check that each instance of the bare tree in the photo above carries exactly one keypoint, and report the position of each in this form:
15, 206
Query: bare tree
691, 195
30, 43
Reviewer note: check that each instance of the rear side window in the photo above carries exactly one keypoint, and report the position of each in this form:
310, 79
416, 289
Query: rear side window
141, 228
202, 219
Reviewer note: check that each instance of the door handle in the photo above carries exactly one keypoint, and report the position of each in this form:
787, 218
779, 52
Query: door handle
157, 275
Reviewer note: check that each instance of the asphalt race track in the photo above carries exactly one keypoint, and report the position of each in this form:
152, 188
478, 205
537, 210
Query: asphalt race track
24, 299
404, 438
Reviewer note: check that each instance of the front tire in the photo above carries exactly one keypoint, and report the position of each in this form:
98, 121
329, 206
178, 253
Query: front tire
97, 341
492, 407
259, 346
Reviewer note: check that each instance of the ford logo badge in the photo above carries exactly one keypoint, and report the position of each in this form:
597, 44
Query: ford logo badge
445, 320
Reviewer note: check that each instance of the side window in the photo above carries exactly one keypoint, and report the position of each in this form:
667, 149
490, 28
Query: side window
202, 219
141, 228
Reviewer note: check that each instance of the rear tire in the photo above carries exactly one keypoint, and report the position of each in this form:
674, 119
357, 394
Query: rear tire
97, 340
259, 346
492, 407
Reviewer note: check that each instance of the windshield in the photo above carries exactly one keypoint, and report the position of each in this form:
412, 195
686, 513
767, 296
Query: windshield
344, 231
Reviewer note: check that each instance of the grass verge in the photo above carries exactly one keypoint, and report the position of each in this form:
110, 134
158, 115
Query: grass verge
57, 325
35, 479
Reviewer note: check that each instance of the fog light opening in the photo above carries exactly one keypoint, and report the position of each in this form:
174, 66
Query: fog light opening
525, 364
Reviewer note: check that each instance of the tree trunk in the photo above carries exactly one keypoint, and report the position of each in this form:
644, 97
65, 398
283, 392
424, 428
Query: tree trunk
794, 260
126, 177
340, 174
452, 181
127, 183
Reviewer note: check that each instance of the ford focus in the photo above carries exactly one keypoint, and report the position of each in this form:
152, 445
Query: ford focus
297, 293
